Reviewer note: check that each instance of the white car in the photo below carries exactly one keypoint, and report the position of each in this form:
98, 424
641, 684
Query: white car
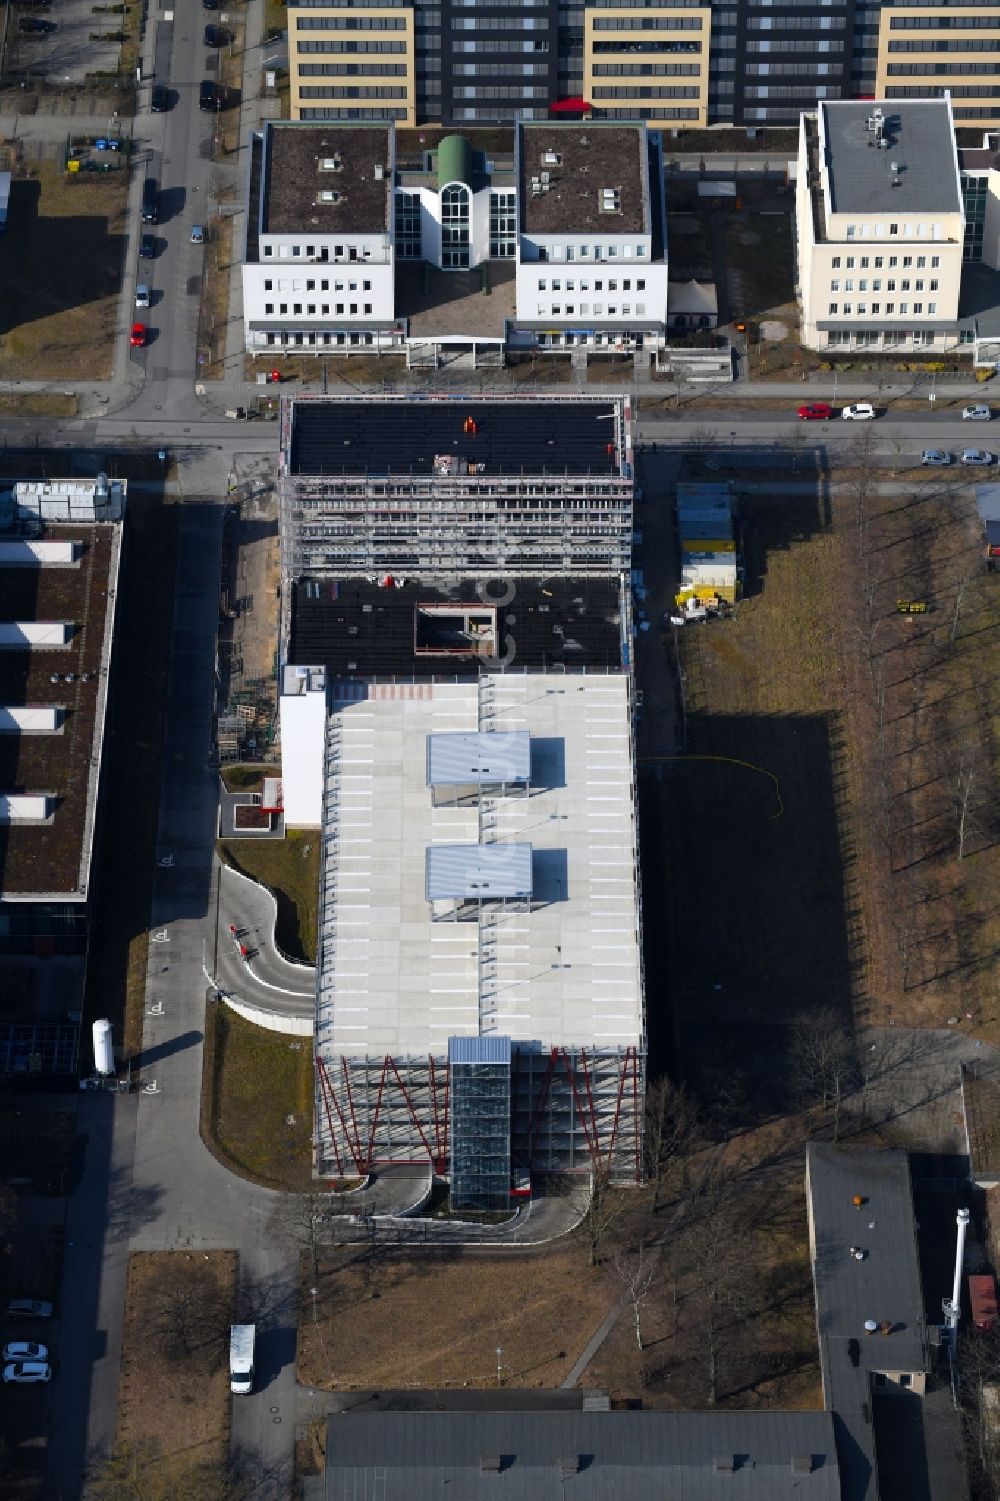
142, 295
980, 412
936, 457
24, 1349
977, 456
859, 411
24, 1372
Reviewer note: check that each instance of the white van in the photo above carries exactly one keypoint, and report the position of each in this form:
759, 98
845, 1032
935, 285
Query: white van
241, 1345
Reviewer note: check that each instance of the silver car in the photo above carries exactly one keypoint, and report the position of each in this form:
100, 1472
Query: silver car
24, 1349
24, 1372
979, 412
936, 457
976, 456
142, 295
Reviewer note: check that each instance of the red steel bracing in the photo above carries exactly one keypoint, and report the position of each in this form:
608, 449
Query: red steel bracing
324, 1087
618, 1105
581, 1116
539, 1109
636, 1114
590, 1100
440, 1127
413, 1113
345, 1070
378, 1107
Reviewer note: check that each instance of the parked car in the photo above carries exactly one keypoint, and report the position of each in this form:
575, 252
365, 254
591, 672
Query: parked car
217, 36
28, 1308
816, 411
24, 1349
147, 247
23, 1372
35, 23
210, 4
210, 96
137, 338
197, 234
936, 458
142, 295
978, 412
976, 456
159, 99
859, 411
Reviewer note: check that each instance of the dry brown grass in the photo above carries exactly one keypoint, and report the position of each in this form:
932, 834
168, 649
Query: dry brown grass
60, 265
40, 404
436, 1320
182, 1408
215, 298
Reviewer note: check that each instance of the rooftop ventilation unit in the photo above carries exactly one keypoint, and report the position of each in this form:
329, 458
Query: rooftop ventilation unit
609, 200
329, 196
379, 172
331, 164
551, 159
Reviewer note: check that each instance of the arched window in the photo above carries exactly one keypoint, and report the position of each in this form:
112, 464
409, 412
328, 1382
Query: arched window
455, 219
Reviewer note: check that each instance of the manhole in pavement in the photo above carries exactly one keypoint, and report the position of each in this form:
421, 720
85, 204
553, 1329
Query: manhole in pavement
773, 328
749, 237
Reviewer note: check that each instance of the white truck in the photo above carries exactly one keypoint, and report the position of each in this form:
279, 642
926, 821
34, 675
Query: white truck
241, 1343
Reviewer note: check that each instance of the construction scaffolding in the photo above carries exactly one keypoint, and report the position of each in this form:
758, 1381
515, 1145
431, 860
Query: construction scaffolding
350, 508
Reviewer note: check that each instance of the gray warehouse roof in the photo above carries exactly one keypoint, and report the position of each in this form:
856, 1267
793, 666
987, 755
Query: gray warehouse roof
486, 871
884, 1286
464, 758
589, 1456
921, 141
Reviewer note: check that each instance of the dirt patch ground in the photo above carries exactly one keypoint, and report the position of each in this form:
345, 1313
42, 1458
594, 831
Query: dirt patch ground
174, 1403
262, 1135
872, 727
61, 266
251, 575
436, 1320
214, 311
290, 868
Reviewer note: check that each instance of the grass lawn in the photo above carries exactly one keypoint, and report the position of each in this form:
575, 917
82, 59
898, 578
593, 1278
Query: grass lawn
243, 778
982, 1106
436, 1320
290, 868
176, 1409
116, 972
39, 404
245, 1126
61, 267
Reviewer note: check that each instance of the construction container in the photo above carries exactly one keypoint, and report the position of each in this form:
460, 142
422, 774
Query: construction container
983, 1301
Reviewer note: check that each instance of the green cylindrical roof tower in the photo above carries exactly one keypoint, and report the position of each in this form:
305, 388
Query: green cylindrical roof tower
454, 161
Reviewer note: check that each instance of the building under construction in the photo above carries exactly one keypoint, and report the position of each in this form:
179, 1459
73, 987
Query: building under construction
456, 719
458, 488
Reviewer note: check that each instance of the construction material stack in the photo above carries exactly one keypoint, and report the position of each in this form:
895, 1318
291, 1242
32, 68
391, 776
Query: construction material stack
707, 531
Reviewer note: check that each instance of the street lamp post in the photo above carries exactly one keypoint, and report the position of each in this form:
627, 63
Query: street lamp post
499, 1365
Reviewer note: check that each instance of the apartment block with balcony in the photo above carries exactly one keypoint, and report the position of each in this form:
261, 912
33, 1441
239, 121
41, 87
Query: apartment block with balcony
647, 62
926, 50
353, 60
880, 227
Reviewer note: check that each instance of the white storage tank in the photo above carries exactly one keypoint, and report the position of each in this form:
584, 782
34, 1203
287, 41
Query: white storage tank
104, 1051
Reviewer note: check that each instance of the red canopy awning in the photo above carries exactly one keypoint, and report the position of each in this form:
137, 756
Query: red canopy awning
569, 107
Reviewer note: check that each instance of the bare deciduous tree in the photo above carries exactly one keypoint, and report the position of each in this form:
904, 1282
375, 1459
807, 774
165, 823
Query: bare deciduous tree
636, 1270
824, 1059
188, 1314
965, 781
672, 1130
956, 614
605, 1209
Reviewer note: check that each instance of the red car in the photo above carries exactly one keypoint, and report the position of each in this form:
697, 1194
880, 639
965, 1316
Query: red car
817, 412
137, 338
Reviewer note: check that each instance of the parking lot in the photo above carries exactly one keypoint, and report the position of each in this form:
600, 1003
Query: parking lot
76, 41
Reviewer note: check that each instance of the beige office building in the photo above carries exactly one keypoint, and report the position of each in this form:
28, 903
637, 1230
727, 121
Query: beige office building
880, 227
924, 50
